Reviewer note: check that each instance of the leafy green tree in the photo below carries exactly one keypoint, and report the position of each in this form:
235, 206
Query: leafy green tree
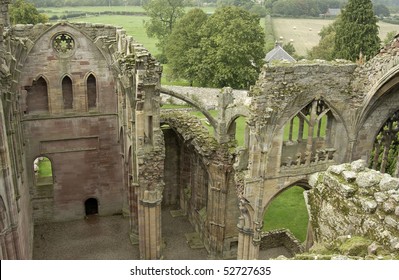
357, 31
25, 13
163, 16
183, 43
231, 50
325, 48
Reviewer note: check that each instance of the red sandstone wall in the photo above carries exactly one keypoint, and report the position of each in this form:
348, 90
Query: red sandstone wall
83, 146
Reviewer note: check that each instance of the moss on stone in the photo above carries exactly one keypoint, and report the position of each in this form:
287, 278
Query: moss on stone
355, 246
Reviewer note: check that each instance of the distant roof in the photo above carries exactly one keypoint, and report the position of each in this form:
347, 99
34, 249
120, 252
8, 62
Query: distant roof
278, 53
333, 12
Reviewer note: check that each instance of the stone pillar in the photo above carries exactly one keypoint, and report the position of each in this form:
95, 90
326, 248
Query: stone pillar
248, 241
225, 98
150, 225
216, 208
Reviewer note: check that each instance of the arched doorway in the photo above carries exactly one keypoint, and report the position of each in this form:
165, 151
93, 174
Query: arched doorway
288, 210
91, 206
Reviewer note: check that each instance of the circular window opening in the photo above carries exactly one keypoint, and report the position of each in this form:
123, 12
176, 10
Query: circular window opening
63, 43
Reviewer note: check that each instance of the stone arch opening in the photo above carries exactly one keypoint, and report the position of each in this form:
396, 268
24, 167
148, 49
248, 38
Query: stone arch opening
238, 131
37, 96
308, 137
287, 210
42, 189
91, 206
67, 92
43, 170
384, 156
91, 89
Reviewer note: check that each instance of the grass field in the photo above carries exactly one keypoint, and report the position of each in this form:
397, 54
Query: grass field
288, 210
304, 32
45, 169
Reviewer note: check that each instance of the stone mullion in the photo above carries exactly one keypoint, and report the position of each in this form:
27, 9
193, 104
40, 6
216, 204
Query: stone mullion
217, 209
300, 129
291, 129
312, 120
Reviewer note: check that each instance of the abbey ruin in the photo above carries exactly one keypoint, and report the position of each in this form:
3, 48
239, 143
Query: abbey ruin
87, 97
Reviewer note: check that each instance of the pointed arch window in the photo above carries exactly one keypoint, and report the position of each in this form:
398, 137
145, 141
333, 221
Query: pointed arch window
305, 139
67, 93
37, 96
91, 91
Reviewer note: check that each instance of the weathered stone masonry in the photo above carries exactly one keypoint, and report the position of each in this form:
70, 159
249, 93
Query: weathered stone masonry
87, 97
356, 101
352, 200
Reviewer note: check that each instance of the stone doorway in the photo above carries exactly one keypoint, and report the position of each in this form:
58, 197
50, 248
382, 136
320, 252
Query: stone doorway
91, 206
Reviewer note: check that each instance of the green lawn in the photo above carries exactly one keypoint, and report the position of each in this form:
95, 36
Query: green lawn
45, 169
288, 210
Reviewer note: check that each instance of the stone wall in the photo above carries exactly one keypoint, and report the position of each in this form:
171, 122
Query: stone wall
281, 238
208, 97
352, 200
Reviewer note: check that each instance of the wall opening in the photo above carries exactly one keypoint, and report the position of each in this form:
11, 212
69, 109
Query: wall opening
43, 170
91, 206
384, 156
67, 93
287, 210
237, 131
306, 137
37, 96
91, 91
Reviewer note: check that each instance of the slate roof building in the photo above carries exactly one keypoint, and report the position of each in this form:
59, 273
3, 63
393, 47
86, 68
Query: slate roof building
278, 53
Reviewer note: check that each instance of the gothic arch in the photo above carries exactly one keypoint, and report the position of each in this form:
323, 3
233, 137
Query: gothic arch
303, 184
67, 89
232, 128
380, 89
309, 136
37, 98
91, 90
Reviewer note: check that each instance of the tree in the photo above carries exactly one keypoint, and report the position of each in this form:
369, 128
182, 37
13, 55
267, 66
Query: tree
25, 13
325, 48
389, 37
231, 49
183, 43
163, 16
357, 31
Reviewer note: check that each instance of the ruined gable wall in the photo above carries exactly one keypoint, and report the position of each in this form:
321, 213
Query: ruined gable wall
350, 199
81, 142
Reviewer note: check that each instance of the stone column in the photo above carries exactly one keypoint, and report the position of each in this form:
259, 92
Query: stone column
248, 242
150, 225
217, 208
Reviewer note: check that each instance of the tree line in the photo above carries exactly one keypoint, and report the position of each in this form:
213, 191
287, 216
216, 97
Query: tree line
227, 48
